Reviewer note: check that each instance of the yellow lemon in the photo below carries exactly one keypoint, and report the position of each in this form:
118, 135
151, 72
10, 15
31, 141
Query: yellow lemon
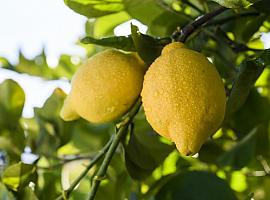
183, 97
105, 87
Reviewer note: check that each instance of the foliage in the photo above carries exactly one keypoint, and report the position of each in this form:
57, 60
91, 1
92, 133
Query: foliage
233, 164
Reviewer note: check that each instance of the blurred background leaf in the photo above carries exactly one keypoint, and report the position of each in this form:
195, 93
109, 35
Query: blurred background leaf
189, 185
91, 8
19, 175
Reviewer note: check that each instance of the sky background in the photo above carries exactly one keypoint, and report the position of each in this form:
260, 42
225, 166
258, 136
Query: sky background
29, 26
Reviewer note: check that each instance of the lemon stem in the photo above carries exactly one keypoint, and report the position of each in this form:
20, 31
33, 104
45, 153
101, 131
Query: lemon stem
120, 133
65, 194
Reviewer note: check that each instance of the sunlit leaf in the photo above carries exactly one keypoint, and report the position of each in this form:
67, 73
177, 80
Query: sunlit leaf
53, 131
11, 103
195, 185
235, 3
5, 194
19, 175
241, 153
144, 11
94, 8
51, 184
102, 28
248, 73
147, 47
161, 27
121, 42
144, 151
28, 194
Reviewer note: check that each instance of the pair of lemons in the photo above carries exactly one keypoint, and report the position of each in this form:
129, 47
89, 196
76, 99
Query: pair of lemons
183, 95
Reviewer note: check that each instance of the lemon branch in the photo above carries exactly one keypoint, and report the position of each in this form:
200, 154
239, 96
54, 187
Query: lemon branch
121, 131
181, 35
65, 194
108, 150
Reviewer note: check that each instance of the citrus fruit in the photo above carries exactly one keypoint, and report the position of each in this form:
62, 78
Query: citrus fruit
183, 97
105, 87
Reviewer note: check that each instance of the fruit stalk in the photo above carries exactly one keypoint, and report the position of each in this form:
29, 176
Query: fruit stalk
121, 131
67, 192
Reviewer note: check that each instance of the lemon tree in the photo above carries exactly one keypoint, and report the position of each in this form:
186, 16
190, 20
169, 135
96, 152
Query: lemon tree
180, 111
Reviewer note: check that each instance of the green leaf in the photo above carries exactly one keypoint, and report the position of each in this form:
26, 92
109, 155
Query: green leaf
145, 11
241, 154
264, 58
195, 185
53, 131
65, 68
210, 151
86, 137
119, 42
11, 103
144, 151
51, 187
119, 185
235, 3
224, 58
162, 27
251, 27
28, 194
262, 6
249, 72
12, 142
102, 28
4, 63
38, 66
140, 158
243, 28
254, 112
19, 175
95, 8
12, 139
5, 194
147, 47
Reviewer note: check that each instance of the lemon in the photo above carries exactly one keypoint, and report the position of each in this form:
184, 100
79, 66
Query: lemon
105, 87
183, 97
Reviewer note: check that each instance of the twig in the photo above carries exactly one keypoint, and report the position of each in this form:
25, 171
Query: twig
63, 161
184, 33
120, 133
67, 192
256, 173
264, 164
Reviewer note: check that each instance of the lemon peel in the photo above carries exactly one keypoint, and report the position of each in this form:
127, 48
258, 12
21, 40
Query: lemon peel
183, 97
105, 87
